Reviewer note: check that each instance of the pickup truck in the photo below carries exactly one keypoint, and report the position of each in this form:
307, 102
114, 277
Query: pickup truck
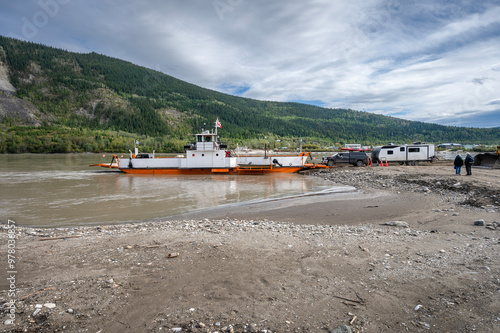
357, 158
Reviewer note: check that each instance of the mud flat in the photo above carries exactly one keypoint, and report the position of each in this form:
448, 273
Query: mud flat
416, 250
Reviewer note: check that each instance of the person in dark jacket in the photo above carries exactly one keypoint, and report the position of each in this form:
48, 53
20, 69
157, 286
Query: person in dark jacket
458, 164
468, 163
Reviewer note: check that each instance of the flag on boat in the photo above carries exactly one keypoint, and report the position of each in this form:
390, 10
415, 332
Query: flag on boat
217, 123
137, 142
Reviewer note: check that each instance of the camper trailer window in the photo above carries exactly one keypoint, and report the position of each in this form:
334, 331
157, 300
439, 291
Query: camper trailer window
413, 150
390, 152
402, 149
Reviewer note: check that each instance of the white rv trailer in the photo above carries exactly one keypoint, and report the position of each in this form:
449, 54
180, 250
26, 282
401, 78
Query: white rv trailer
409, 154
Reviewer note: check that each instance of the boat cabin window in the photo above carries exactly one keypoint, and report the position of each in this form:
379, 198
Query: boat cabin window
402, 149
413, 150
390, 152
204, 138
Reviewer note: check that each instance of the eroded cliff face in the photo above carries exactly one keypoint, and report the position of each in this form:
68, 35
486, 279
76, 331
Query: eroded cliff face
14, 110
5, 84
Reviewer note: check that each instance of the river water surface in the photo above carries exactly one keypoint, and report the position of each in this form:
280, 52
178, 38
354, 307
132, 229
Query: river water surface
62, 190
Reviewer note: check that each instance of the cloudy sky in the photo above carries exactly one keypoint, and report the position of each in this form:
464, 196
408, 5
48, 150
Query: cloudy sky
429, 60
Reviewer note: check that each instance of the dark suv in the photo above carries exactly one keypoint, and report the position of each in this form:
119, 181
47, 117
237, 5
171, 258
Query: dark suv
357, 158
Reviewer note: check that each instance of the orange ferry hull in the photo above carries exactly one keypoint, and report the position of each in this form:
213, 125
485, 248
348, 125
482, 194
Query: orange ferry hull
206, 171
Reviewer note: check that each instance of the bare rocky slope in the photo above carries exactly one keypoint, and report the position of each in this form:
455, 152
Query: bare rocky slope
12, 107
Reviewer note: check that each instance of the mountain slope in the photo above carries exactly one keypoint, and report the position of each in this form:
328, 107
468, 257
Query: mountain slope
66, 90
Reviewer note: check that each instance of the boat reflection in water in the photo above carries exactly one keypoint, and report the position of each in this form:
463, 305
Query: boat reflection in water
168, 195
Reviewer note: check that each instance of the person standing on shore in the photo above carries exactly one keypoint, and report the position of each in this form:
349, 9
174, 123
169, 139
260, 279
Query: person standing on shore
468, 163
458, 164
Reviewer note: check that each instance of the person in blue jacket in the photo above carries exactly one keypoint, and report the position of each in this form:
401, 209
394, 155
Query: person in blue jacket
458, 164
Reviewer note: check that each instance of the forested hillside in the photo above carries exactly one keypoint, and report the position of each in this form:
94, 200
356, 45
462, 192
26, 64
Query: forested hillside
91, 102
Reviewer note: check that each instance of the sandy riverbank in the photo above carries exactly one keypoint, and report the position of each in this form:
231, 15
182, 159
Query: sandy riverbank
309, 264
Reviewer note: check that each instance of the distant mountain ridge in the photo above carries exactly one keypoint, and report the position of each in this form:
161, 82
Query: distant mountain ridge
61, 92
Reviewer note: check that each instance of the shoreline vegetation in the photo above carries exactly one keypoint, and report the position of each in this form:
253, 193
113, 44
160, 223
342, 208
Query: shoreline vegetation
61, 140
418, 251
48, 140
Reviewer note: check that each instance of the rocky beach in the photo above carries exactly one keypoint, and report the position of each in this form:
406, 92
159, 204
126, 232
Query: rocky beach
414, 249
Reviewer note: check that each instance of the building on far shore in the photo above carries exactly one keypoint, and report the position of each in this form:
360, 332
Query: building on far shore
449, 145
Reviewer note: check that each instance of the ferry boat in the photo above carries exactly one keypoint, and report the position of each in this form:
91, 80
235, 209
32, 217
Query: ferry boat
209, 156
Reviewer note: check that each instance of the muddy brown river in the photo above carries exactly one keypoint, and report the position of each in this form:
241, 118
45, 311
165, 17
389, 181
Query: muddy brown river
62, 190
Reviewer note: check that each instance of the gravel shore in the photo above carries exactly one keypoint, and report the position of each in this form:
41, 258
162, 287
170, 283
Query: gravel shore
417, 250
